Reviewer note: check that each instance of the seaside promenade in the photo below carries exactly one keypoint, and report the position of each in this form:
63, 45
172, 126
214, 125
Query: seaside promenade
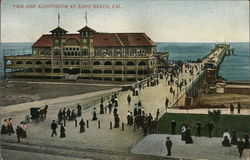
103, 142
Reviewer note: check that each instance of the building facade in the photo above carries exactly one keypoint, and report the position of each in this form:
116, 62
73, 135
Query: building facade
89, 54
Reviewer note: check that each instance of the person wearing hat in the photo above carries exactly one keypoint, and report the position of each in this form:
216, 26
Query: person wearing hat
82, 126
53, 127
18, 133
62, 131
169, 146
173, 126
10, 126
117, 121
94, 115
240, 147
4, 129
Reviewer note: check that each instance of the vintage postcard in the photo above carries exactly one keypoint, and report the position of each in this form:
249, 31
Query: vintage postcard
124, 79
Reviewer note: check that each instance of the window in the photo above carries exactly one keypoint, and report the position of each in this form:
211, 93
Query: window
104, 53
48, 62
138, 51
38, 63
29, 63
56, 70
142, 63
85, 52
130, 63
9, 62
19, 62
56, 53
42, 52
118, 63
108, 63
57, 63
96, 63
84, 63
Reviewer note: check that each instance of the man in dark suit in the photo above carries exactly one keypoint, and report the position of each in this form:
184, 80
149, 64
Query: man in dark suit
169, 146
53, 127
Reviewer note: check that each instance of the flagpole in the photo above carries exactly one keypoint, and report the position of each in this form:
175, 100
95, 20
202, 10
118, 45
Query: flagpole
58, 18
86, 18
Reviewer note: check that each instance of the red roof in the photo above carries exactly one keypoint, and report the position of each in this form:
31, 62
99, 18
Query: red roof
86, 29
135, 39
44, 41
58, 29
104, 40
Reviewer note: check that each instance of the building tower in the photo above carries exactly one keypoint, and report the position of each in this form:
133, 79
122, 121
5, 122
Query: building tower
86, 41
58, 39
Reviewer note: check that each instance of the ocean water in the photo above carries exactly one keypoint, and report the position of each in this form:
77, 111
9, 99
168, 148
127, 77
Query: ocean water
234, 67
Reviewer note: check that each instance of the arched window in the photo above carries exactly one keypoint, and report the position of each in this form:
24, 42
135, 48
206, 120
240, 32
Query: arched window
29, 63
48, 62
96, 63
118, 63
56, 70
19, 62
38, 63
130, 63
142, 63
108, 63
9, 62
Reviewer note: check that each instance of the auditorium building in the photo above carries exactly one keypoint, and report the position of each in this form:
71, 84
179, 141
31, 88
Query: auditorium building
88, 55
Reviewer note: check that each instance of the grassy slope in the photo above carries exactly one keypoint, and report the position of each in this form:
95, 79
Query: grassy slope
241, 122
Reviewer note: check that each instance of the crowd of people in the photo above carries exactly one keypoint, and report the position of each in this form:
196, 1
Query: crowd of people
7, 128
228, 141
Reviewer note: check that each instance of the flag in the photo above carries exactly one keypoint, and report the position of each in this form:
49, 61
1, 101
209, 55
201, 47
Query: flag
86, 18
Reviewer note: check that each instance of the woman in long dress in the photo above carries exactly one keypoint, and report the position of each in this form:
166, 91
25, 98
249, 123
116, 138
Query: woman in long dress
4, 129
94, 115
82, 126
188, 136
183, 132
101, 108
62, 132
234, 140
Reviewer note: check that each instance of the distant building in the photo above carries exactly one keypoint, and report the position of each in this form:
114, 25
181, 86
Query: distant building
88, 54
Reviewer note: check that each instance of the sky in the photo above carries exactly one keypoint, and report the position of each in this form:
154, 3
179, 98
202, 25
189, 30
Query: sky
161, 20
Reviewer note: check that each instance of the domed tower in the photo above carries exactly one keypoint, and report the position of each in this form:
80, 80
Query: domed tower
86, 41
